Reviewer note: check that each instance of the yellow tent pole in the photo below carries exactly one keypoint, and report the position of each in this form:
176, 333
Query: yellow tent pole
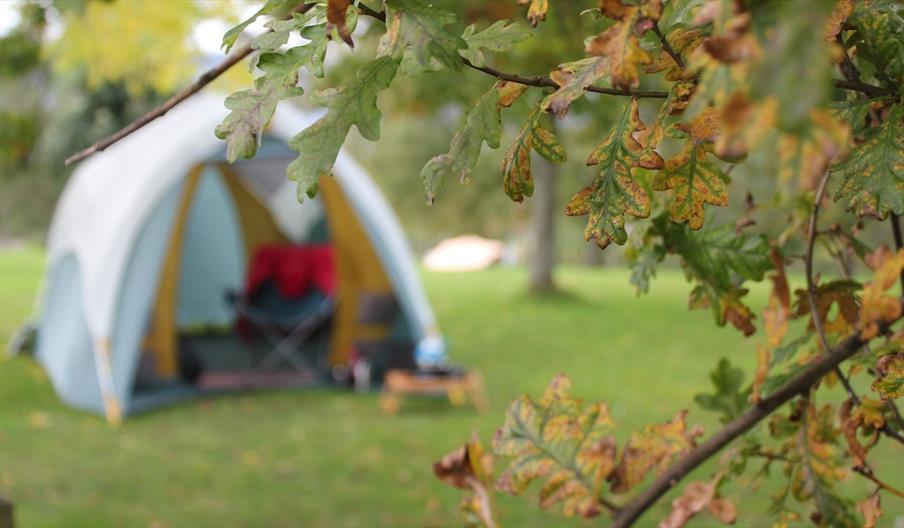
161, 338
358, 268
112, 408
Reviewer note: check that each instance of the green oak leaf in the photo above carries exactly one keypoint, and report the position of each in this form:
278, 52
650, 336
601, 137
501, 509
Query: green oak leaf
615, 192
874, 171
483, 124
354, 103
728, 399
497, 37
879, 38
518, 180
252, 109
280, 30
560, 441
696, 181
273, 8
719, 259
416, 32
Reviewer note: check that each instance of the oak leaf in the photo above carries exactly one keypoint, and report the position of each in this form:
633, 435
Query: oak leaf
483, 124
354, 103
652, 448
874, 171
775, 320
696, 181
875, 306
840, 293
615, 193
696, 497
518, 180
416, 32
335, 19
820, 468
573, 78
501, 36
536, 13
890, 376
469, 467
274, 8
562, 442
871, 510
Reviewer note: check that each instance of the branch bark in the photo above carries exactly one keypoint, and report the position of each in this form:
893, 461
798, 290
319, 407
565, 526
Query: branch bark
740, 425
858, 86
544, 81
202, 81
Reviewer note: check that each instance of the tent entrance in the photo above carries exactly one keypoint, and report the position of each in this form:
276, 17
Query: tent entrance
192, 342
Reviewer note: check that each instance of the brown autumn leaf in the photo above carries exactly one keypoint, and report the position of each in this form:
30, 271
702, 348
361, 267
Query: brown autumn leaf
335, 19
775, 319
875, 306
652, 448
871, 510
732, 41
470, 468
696, 497
619, 42
890, 376
807, 155
835, 22
536, 13
839, 293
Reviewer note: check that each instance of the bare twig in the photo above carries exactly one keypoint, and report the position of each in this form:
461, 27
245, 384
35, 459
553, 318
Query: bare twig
899, 243
544, 81
811, 287
203, 80
668, 47
882, 485
379, 15
183, 94
801, 383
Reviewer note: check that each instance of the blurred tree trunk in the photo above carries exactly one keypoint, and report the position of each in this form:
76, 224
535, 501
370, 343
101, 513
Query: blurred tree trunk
543, 226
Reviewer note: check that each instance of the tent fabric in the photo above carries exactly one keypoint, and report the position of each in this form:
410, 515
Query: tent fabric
111, 243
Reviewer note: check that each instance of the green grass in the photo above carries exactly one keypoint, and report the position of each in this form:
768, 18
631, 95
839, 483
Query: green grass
330, 458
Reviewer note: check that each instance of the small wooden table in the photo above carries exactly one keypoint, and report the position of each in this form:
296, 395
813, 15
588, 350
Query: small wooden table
458, 388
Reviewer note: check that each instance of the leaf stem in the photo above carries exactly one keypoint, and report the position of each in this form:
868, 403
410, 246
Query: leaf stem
740, 425
668, 47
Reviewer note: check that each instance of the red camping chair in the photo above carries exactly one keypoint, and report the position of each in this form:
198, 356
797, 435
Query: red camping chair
288, 297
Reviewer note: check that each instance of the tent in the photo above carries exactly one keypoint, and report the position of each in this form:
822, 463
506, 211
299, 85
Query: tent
148, 235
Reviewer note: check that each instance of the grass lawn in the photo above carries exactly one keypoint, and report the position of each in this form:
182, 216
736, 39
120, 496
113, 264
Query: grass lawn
330, 458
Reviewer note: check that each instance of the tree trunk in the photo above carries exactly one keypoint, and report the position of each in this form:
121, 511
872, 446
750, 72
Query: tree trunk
543, 227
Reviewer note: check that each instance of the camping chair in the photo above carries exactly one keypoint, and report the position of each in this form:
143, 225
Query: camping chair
287, 300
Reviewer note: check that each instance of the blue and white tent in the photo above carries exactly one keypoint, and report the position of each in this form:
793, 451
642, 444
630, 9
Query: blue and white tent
149, 234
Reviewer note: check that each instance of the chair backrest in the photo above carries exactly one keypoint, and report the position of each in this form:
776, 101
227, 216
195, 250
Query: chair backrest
294, 270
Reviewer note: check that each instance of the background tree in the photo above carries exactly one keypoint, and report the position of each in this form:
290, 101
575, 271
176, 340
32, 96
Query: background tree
704, 86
